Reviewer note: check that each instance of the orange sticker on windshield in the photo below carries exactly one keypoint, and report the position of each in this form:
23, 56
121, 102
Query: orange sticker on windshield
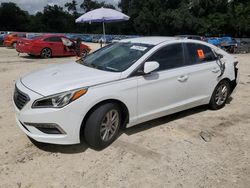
201, 54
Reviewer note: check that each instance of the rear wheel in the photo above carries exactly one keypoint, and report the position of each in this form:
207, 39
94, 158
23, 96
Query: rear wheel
220, 95
14, 45
103, 125
46, 53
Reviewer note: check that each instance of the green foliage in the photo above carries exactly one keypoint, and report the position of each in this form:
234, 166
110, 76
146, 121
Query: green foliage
13, 18
54, 18
89, 5
203, 17
147, 17
72, 7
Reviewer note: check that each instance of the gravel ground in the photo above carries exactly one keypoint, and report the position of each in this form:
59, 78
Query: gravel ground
167, 152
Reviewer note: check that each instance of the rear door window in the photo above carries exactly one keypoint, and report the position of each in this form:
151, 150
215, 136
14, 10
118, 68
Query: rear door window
22, 35
53, 39
169, 57
198, 53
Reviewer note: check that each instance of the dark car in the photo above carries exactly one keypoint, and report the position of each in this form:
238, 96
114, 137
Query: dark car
2, 34
194, 37
84, 38
229, 44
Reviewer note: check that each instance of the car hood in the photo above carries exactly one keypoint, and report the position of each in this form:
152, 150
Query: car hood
65, 77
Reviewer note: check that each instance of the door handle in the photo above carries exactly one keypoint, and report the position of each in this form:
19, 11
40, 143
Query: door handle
215, 70
182, 78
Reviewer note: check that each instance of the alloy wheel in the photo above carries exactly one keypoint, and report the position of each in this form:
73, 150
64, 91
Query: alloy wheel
46, 53
221, 94
109, 125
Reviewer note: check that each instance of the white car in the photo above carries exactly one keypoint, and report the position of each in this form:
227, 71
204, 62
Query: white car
122, 84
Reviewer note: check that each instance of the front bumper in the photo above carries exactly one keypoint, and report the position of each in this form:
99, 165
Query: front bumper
68, 122
235, 82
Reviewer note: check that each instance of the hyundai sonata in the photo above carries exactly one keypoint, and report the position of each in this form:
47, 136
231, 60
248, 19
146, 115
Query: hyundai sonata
122, 84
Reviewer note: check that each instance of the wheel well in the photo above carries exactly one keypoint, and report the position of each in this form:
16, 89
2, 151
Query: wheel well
232, 84
124, 113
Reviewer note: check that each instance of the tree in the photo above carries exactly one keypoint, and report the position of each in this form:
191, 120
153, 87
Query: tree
72, 7
56, 19
89, 5
13, 18
147, 17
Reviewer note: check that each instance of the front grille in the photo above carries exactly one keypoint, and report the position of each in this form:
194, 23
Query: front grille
20, 98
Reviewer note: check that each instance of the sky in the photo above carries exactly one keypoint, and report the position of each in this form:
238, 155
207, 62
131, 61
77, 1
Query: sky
33, 6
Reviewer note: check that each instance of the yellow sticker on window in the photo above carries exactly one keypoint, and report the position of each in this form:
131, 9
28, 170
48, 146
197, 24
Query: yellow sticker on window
201, 54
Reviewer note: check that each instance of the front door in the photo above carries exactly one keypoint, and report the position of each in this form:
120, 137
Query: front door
163, 92
56, 45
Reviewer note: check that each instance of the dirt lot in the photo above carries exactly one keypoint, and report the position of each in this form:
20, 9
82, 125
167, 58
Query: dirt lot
167, 152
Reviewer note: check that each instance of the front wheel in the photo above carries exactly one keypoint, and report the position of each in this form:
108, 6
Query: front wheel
84, 53
103, 125
220, 95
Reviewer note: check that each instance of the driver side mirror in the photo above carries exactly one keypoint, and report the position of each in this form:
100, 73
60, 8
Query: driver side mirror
150, 66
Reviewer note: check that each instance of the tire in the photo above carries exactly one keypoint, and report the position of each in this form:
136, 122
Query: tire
33, 141
46, 53
98, 132
219, 97
14, 45
84, 53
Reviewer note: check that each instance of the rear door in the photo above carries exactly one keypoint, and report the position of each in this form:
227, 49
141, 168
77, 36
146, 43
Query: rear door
55, 44
203, 71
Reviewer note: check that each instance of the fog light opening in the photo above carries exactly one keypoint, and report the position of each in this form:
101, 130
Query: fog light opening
47, 128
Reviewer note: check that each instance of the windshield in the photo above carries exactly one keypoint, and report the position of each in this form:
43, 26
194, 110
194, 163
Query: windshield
116, 57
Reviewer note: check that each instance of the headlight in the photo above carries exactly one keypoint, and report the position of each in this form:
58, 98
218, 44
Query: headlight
59, 100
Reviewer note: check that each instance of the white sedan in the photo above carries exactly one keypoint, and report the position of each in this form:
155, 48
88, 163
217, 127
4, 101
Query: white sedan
122, 84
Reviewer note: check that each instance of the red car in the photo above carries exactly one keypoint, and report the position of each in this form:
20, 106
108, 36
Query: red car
47, 46
11, 39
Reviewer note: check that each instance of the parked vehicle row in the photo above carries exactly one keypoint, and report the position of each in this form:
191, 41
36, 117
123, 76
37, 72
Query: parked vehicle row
229, 44
100, 38
44, 45
11, 40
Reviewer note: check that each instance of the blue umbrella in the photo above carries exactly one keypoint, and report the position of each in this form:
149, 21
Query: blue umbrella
104, 15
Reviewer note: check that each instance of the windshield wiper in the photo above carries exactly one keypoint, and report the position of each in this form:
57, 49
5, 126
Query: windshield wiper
97, 66
112, 69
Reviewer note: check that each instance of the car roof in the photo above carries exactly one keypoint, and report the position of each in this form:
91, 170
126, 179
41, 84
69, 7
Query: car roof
149, 40
53, 35
188, 36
